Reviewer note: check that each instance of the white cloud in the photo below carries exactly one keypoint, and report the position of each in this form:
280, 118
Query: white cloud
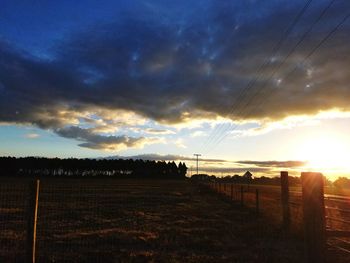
287, 123
180, 143
32, 135
198, 134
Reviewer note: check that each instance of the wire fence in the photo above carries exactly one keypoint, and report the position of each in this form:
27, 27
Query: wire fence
338, 222
267, 200
13, 223
79, 220
64, 207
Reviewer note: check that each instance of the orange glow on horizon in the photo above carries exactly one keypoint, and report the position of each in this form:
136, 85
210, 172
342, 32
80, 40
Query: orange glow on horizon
326, 153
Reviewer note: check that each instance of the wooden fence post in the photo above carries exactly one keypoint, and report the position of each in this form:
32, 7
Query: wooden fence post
32, 220
285, 200
314, 216
231, 192
242, 195
257, 205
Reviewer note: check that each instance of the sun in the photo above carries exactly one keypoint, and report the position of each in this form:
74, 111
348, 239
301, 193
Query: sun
326, 153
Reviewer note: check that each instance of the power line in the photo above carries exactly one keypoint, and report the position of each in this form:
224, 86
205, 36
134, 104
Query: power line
303, 37
280, 64
326, 38
267, 61
291, 72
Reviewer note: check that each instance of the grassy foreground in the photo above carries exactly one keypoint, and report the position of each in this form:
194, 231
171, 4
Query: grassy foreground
138, 221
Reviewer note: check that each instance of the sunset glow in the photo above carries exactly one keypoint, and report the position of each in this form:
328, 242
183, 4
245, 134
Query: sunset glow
328, 153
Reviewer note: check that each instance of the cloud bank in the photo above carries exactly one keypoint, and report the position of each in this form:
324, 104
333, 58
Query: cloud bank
173, 65
98, 142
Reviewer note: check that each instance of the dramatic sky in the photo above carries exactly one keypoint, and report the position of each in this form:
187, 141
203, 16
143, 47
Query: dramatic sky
250, 84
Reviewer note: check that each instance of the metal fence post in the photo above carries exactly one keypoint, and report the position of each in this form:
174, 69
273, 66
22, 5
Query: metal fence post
314, 216
34, 188
285, 200
257, 205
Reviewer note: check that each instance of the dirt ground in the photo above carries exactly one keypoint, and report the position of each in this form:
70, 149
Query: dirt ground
139, 221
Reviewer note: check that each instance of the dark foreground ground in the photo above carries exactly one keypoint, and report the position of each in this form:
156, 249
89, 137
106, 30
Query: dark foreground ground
138, 221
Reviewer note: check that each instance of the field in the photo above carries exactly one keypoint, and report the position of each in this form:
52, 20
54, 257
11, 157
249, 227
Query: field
137, 221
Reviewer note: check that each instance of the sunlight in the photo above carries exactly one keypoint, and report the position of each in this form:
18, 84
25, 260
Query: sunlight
326, 153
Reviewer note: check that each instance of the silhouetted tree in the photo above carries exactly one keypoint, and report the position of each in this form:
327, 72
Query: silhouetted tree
72, 167
182, 169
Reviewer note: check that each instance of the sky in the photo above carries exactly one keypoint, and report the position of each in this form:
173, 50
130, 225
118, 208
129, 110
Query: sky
250, 85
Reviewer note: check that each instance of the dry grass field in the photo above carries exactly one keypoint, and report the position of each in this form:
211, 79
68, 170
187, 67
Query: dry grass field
137, 221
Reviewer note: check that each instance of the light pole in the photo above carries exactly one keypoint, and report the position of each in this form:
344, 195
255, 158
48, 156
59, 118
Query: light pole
197, 155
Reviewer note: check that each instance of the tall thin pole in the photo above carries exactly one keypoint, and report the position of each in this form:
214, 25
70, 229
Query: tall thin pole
285, 200
197, 155
32, 220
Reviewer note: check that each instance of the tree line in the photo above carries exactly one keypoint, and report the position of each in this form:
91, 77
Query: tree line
73, 167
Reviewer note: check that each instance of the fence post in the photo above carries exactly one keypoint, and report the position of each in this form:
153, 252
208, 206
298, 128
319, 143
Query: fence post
314, 216
34, 187
285, 200
257, 207
242, 195
231, 192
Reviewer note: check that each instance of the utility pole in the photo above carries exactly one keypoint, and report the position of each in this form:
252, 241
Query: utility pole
197, 155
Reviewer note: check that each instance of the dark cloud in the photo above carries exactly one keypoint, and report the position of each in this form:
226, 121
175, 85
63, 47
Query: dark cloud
99, 142
171, 70
275, 164
158, 131
168, 157
234, 170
